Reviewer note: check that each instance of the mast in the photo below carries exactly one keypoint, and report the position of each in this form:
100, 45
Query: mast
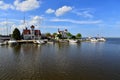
24, 22
7, 25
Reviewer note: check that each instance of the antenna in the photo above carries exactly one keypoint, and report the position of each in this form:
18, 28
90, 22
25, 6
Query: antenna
24, 21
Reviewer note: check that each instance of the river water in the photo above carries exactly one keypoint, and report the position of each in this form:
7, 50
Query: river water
61, 61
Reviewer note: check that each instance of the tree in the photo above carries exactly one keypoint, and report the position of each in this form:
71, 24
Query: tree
16, 34
48, 34
59, 36
78, 36
69, 35
54, 34
73, 37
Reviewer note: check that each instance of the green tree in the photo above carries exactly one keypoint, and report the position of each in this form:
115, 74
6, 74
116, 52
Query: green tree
73, 37
54, 34
78, 36
69, 35
59, 36
16, 34
48, 34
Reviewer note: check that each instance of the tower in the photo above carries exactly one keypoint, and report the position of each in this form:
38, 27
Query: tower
32, 32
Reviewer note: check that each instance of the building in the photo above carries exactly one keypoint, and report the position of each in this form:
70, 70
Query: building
31, 34
5, 37
63, 33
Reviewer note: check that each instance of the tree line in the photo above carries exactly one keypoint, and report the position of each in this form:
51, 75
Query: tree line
17, 35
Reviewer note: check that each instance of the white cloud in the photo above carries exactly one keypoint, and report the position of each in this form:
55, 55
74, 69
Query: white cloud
3, 23
26, 5
76, 21
5, 6
35, 20
63, 10
87, 13
49, 11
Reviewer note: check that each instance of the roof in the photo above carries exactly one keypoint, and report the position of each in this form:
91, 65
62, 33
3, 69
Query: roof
37, 32
32, 26
26, 31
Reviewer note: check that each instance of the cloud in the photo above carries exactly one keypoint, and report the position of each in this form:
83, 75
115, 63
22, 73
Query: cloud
63, 10
3, 23
87, 13
5, 6
55, 27
49, 11
26, 5
76, 21
35, 20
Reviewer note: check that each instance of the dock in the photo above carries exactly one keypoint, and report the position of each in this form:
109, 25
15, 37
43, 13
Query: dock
25, 41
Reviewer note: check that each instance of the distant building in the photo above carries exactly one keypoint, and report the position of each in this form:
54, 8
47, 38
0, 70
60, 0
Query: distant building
5, 37
30, 34
63, 33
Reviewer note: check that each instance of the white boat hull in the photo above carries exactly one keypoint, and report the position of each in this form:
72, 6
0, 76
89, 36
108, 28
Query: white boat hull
11, 42
73, 41
39, 41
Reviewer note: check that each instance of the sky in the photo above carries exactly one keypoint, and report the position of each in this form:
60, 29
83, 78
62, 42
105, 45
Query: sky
88, 17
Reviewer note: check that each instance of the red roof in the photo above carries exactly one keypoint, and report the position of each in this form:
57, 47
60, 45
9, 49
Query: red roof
32, 26
26, 31
37, 32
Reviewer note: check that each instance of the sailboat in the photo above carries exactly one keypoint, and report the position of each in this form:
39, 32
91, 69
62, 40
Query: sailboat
2, 43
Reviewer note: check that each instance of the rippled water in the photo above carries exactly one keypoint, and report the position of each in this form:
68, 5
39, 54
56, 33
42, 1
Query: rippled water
64, 61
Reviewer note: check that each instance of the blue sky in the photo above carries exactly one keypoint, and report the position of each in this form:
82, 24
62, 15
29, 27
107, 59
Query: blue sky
88, 17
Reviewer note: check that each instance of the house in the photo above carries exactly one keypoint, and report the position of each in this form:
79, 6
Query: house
30, 34
63, 33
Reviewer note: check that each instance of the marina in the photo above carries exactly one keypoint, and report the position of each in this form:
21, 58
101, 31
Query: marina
59, 40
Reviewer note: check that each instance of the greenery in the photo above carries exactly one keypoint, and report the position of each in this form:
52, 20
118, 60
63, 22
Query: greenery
16, 34
54, 34
78, 36
73, 37
48, 34
59, 36
69, 35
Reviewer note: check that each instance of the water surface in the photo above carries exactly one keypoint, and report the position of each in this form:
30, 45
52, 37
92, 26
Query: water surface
61, 61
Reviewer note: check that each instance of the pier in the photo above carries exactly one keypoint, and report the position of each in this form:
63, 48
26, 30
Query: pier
25, 41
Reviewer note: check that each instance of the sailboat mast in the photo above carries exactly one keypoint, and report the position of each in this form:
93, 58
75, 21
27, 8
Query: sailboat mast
24, 20
7, 25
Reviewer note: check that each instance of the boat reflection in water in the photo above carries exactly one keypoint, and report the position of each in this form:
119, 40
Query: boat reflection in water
61, 61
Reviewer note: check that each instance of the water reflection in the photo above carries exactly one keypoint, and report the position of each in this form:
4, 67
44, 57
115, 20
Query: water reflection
60, 61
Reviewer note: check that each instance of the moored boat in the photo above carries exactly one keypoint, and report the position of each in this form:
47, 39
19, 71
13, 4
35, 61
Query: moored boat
3, 43
39, 41
12, 42
93, 40
73, 41
101, 39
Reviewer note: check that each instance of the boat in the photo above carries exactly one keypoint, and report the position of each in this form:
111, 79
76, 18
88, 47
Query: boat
101, 39
39, 41
3, 43
96, 39
62, 41
93, 40
73, 41
12, 42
